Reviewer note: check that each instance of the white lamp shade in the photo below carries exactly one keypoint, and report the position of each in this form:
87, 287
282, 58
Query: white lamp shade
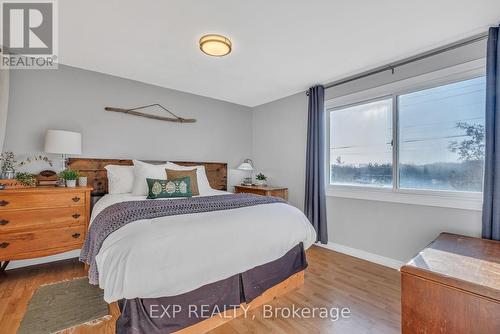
245, 166
63, 142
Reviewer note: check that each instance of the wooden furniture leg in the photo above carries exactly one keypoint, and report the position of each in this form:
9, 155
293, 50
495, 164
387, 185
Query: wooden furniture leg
3, 266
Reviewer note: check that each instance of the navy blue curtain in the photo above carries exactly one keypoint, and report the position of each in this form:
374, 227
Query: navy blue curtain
315, 205
491, 191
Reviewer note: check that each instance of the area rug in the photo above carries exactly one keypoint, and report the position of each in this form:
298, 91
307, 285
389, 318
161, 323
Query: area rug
58, 306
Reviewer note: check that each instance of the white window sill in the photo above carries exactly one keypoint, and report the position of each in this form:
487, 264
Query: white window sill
445, 199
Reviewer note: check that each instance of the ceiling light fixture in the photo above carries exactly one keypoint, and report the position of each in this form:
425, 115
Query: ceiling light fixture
215, 45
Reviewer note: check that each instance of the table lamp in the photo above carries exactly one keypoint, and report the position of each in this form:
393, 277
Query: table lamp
63, 142
247, 165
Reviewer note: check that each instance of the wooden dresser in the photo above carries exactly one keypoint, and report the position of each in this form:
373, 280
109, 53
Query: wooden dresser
42, 221
452, 286
263, 190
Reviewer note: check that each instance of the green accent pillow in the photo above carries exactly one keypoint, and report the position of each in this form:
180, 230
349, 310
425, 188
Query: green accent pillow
169, 188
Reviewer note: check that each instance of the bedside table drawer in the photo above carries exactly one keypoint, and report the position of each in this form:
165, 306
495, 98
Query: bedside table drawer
42, 218
263, 191
41, 200
251, 191
13, 245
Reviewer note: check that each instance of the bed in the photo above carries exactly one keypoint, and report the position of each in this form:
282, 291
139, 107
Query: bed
199, 263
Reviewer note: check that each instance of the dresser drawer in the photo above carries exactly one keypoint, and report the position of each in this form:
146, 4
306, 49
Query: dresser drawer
13, 245
31, 201
41, 218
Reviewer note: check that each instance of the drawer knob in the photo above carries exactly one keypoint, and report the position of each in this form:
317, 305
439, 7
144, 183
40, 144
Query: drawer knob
76, 199
3, 203
4, 245
76, 215
76, 235
4, 222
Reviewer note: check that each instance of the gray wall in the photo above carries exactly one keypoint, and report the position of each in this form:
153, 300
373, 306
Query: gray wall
393, 230
73, 99
470, 52
279, 141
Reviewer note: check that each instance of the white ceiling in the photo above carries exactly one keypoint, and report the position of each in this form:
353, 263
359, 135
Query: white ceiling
280, 47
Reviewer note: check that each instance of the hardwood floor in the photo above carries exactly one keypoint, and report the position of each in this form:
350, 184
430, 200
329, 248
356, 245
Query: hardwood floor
17, 287
332, 280
370, 291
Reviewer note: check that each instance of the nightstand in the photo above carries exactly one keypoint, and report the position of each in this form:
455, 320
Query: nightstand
42, 221
263, 190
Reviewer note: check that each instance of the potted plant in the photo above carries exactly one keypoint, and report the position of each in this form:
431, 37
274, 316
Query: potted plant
70, 176
260, 179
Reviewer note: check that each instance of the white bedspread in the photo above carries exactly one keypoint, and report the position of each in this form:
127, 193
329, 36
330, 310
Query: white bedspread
168, 256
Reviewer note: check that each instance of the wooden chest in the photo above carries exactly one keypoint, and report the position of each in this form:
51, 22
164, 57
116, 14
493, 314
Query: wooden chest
452, 286
41, 221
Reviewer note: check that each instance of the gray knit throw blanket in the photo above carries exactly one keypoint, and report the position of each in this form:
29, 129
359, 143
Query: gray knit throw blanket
120, 214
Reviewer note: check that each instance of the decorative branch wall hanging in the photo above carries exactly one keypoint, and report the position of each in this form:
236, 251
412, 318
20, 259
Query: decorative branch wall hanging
133, 111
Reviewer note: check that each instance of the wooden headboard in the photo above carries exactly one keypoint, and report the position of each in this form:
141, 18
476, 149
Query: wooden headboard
94, 170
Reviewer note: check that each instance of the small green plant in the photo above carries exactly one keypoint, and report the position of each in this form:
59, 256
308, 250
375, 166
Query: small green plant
261, 177
26, 179
69, 174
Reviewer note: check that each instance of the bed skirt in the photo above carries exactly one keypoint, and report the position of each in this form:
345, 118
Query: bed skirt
170, 314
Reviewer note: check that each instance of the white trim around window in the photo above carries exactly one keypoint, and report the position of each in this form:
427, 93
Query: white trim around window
448, 199
445, 199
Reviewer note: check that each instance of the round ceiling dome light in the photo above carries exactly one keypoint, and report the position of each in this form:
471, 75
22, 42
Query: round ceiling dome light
215, 45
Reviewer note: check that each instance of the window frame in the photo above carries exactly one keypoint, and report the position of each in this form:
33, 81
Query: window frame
440, 198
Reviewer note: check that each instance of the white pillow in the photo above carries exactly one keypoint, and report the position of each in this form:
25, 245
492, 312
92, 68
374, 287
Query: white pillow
120, 179
203, 184
142, 171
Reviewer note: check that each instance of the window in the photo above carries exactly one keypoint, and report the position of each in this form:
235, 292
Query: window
436, 148
360, 144
441, 137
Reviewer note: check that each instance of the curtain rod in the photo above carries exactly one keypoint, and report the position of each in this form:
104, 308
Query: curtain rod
406, 61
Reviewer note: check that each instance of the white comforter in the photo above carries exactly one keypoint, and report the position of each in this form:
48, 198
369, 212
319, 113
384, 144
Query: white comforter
168, 256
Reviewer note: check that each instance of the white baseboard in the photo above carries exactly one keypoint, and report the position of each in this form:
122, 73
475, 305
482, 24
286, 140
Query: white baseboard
40, 260
364, 255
